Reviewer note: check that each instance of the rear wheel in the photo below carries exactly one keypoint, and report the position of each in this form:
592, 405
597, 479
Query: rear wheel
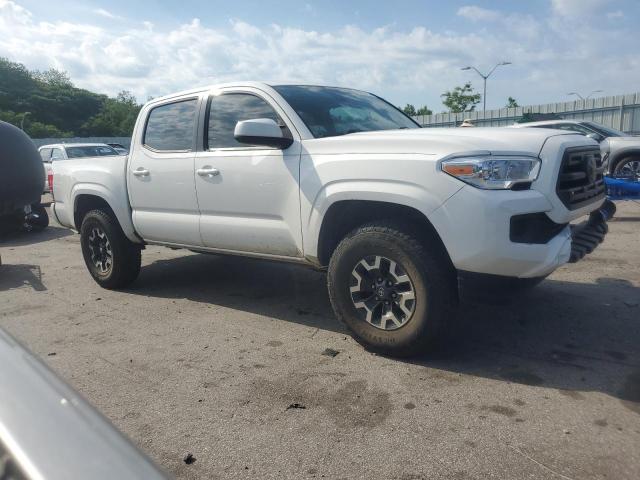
392, 293
111, 258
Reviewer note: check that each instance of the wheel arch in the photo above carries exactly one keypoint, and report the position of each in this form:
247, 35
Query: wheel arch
382, 194
87, 199
623, 153
343, 216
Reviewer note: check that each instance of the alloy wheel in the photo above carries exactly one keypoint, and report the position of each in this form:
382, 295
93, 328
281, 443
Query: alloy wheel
628, 169
100, 250
382, 292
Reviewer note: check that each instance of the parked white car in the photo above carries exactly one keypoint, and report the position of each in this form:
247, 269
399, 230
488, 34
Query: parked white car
340, 179
63, 151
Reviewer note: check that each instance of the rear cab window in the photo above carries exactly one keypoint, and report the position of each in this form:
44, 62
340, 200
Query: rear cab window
45, 154
56, 154
171, 127
90, 151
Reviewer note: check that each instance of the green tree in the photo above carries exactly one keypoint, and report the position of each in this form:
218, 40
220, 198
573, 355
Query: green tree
412, 112
409, 110
116, 118
57, 108
53, 77
512, 103
16, 85
461, 99
41, 130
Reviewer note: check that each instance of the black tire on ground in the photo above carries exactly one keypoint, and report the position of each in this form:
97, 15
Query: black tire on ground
431, 276
124, 265
42, 221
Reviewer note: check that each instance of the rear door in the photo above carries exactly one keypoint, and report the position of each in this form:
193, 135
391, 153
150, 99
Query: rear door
161, 184
251, 203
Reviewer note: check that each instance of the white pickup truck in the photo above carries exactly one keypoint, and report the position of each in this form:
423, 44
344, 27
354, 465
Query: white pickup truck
403, 218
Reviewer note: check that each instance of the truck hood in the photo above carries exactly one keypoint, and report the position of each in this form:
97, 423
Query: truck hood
438, 141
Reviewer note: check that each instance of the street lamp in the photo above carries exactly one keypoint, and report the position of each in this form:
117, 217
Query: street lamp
484, 77
588, 96
24, 115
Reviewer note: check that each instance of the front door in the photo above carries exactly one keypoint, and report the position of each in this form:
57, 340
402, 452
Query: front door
248, 195
161, 181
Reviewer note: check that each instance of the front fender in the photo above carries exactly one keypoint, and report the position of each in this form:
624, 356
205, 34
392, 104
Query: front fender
389, 191
618, 154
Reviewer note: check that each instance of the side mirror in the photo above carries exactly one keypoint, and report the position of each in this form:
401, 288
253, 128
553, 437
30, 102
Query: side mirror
261, 131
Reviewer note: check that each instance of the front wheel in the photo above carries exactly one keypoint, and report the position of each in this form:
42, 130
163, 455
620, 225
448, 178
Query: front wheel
392, 293
111, 258
627, 168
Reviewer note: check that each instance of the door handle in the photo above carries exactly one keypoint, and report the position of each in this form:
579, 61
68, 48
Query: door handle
208, 171
141, 172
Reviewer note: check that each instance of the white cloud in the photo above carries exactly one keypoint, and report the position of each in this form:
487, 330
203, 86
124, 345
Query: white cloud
414, 65
105, 13
244, 29
577, 8
478, 14
615, 15
516, 24
12, 12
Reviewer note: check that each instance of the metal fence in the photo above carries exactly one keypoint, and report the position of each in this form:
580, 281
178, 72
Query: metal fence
620, 111
124, 141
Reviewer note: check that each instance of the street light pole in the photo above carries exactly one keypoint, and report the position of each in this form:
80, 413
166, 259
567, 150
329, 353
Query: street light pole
581, 97
484, 78
24, 115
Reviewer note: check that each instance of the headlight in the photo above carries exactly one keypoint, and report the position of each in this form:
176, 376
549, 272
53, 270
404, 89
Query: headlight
493, 172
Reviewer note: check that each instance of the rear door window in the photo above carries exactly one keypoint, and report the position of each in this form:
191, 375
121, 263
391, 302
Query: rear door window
171, 127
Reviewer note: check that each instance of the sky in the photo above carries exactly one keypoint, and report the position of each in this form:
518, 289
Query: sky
407, 51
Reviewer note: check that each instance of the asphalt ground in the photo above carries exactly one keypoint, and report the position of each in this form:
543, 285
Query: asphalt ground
217, 356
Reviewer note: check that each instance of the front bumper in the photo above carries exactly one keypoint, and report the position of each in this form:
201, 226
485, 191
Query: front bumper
588, 235
475, 225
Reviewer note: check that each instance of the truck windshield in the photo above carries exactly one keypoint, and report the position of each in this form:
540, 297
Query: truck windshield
90, 151
331, 111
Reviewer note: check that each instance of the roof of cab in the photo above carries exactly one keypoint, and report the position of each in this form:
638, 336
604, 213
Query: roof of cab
260, 85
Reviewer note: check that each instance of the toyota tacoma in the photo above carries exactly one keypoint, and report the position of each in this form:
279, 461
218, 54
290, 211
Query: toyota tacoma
403, 219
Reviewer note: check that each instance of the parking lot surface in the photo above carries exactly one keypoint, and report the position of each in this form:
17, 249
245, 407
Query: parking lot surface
226, 358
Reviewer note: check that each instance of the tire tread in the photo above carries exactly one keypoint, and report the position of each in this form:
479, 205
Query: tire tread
442, 280
127, 269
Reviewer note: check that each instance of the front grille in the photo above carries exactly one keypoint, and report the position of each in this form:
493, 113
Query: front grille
581, 178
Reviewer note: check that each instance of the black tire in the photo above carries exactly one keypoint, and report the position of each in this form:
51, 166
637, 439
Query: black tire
42, 221
124, 265
432, 279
